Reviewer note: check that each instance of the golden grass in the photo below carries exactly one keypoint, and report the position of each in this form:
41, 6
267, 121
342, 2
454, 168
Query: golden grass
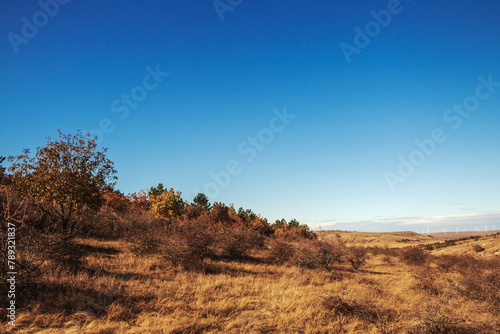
389, 239
123, 293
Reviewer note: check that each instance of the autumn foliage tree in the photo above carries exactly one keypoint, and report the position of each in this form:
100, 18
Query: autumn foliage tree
65, 179
166, 203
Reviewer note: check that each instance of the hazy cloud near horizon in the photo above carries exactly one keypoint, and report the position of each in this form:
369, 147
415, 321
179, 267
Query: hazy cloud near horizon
480, 221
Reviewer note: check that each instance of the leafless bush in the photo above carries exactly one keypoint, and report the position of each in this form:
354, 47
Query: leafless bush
330, 253
414, 255
306, 256
112, 223
311, 254
356, 256
427, 281
237, 243
281, 251
149, 241
189, 245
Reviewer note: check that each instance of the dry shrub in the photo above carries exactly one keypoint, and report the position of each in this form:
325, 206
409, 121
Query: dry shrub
306, 256
236, 244
188, 245
149, 241
427, 281
479, 277
281, 251
330, 253
356, 256
477, 248
107, 224
295, 233
113, 224
481, 285
310, 254
414, 256
446, 262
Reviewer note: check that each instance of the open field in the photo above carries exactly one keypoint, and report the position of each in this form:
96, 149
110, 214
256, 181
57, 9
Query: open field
116, 291
462, 234
389, 239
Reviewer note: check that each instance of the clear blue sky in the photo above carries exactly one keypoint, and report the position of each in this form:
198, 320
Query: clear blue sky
74, 65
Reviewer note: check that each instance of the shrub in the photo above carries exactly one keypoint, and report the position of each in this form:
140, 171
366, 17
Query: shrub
450, 242
281, 251
150, 241
312, 254
356, 256
237, 244
427, 281
189, 245
481, 284
477, 248
414, 255
330, 253
306, 256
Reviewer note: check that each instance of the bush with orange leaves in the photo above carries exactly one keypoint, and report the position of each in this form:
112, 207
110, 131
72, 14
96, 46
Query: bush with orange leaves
115, 200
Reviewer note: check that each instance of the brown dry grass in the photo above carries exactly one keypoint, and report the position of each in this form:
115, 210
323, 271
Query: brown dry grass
368, 239
119, 292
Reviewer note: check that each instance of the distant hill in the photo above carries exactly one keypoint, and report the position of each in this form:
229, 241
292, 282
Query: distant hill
462, 234
389, 239
490, 245
489, 241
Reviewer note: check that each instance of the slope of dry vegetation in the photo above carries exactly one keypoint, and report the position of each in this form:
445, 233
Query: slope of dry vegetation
97, 261
114, 290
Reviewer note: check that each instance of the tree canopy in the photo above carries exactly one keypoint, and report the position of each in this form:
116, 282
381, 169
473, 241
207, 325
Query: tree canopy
166, 203
64, 178
201, 202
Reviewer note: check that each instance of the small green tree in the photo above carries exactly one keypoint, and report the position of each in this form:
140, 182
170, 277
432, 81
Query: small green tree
65, 178
246, 215
279, 223
201, 202
293, 223
156, 191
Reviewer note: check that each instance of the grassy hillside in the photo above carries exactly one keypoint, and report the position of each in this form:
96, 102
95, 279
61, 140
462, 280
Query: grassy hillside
389, 239
115, 290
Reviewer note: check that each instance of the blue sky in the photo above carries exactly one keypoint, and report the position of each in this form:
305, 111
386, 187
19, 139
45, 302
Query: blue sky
181, 97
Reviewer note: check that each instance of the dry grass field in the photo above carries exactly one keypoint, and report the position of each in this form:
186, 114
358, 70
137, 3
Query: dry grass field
453, 289
389, 239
